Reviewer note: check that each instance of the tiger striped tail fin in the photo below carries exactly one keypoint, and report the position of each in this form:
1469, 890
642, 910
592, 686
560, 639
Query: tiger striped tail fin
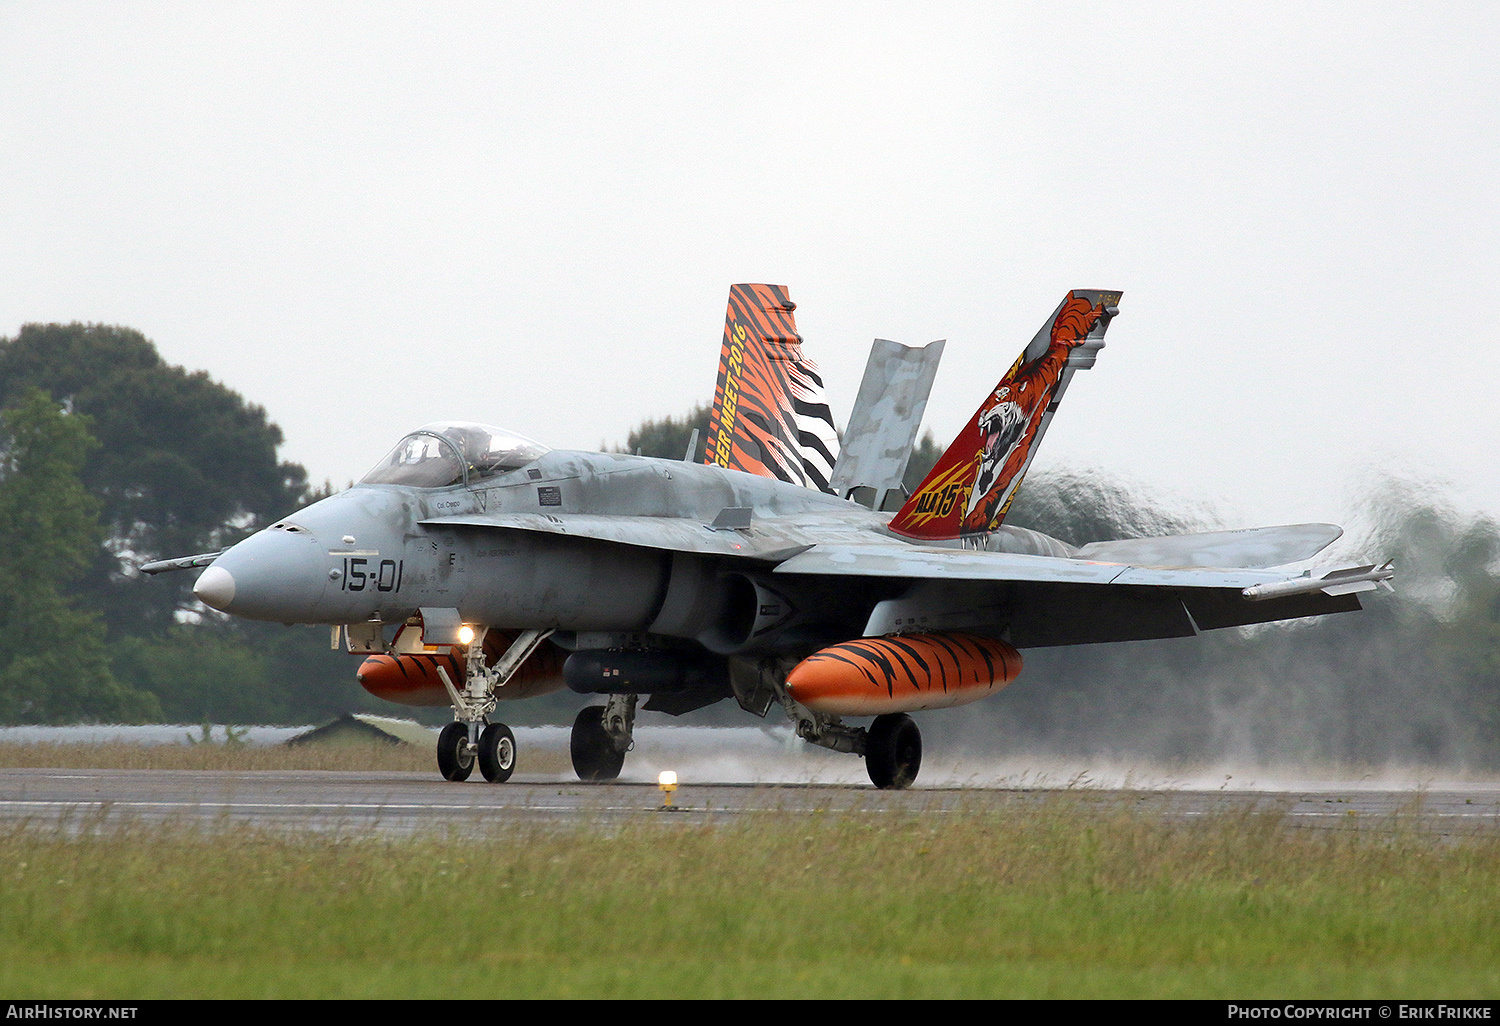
970, 489
770, 414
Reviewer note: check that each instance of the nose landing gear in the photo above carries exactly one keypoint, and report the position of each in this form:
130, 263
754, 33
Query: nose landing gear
495, 752
495, 747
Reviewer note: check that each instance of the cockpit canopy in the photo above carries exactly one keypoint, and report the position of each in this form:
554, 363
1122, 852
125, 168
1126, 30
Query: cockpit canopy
452, 452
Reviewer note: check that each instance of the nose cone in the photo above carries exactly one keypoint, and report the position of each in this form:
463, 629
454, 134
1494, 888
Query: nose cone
215, 588
272, 575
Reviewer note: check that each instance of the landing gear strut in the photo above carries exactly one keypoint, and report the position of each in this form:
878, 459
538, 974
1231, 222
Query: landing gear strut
495, 747
892, 746
601, 737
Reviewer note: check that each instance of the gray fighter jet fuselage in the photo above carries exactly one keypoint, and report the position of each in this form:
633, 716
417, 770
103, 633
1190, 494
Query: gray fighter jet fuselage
506, 553
506, 569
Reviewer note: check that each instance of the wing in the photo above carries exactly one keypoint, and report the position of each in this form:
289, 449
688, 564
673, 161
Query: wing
1035, 600
1254, 548
1049, 600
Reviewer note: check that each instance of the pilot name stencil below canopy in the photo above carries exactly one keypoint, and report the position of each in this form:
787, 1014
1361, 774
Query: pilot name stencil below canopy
473, 565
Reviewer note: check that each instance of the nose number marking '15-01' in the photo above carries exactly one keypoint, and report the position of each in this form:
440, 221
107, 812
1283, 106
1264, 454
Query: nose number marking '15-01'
386, 576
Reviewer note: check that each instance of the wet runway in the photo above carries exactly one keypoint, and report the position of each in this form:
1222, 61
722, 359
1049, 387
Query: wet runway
407, 803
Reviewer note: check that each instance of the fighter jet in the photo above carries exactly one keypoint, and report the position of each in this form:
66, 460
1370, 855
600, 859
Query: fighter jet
474, 566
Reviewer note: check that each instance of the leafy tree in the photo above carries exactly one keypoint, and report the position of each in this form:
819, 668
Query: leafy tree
241, 671
184, 465
924, 456
54, 666
668, 438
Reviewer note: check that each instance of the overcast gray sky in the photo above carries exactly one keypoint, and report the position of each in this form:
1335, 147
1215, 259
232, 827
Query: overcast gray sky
368, 216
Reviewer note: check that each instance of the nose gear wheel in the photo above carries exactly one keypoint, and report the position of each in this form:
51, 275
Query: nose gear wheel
497, 753
455, 753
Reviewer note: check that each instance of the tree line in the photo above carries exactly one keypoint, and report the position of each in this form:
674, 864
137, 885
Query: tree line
110, 457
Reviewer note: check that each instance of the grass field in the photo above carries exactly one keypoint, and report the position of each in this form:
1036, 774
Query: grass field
1059, 899
349, 756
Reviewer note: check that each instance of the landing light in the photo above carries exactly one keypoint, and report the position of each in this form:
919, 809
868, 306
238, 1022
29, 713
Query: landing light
466, 634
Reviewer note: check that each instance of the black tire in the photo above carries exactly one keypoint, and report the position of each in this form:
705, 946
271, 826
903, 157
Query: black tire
594, 755
455, 756
893, 751
497, 753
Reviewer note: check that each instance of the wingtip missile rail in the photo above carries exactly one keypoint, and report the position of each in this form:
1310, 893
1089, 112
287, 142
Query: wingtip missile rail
1334, 582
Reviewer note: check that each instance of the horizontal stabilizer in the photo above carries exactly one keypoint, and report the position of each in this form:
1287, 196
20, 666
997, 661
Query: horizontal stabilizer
1250, 549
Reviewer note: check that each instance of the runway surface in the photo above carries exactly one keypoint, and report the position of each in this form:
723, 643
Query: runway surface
724, 772
407, 803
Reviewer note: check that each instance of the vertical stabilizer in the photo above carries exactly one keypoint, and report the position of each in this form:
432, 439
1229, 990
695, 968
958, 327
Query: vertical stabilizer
887, 415
971, 488
770, 415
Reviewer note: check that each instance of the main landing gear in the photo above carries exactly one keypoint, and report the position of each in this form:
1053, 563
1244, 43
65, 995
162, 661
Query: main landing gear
601, 737
893, 751
892, 746
472, 737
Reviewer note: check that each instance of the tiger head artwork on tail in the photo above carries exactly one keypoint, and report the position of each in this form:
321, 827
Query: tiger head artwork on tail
970, 489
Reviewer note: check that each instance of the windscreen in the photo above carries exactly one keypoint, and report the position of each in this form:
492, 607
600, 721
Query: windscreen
448, 453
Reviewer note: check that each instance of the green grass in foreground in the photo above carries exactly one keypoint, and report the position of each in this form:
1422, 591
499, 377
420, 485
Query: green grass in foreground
1063, 899
347, 757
